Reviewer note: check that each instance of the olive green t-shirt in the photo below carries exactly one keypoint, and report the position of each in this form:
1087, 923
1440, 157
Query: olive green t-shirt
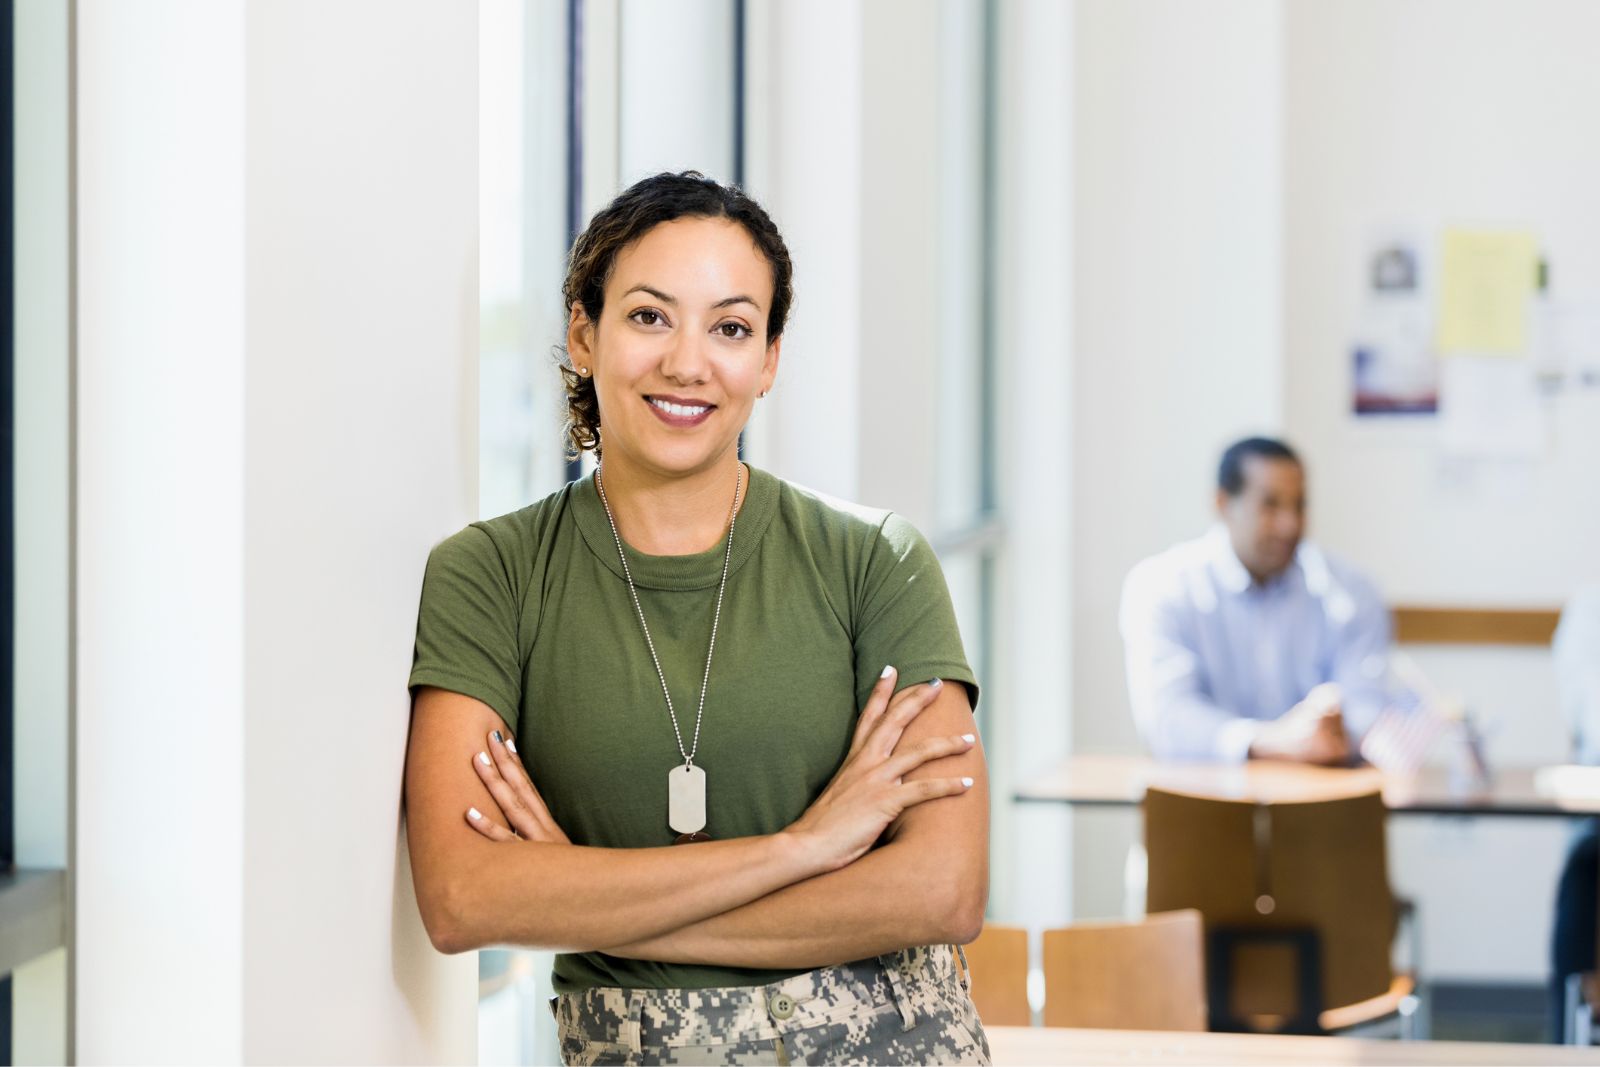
530, 613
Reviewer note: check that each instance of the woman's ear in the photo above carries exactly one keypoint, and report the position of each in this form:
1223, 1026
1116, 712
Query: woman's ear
580, 339
769, 367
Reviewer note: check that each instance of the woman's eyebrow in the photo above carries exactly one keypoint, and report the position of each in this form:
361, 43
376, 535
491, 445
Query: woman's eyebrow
665, 299
657, 293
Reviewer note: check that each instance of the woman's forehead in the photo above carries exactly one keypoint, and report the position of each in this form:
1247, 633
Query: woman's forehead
695, 259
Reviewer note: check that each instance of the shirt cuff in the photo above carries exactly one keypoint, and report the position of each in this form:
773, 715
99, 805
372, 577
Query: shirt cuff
1235, 738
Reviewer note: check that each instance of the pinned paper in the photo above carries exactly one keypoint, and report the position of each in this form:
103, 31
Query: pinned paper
1489, 408
1486, 278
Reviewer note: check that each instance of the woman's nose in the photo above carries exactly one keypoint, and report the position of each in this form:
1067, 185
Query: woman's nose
685, 359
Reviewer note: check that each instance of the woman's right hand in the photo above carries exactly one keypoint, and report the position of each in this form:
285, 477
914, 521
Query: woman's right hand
869, 792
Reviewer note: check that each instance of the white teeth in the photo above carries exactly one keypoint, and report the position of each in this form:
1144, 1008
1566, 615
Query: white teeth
681, 410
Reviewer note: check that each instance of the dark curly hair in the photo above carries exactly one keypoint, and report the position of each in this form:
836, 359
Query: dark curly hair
637, 210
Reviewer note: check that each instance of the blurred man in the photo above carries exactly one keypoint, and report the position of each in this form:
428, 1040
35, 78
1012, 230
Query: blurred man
1249, 642
1576, 650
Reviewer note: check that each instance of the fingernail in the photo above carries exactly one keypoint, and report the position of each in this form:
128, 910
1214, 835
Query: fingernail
968, 738
512, 745
483, 758
497, 738
936, 683
474, 813
886, 672
966, 782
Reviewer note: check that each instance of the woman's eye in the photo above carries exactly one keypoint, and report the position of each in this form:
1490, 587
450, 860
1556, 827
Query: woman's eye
646, 317
734, 330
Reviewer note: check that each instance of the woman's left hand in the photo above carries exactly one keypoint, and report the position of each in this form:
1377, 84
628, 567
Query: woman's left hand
502, 773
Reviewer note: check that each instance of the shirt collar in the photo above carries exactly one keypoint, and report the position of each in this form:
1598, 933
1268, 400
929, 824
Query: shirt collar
1232, 575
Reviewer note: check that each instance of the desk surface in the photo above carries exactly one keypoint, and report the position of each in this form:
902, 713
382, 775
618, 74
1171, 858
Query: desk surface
1041, 1045
1120, 781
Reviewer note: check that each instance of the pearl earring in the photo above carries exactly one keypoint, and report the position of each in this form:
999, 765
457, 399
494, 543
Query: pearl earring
761, 395
583, 371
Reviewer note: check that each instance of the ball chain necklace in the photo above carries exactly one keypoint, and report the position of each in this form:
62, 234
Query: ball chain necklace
686, 785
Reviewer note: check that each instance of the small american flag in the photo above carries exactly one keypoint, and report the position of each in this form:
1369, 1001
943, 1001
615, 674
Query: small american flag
1416, 716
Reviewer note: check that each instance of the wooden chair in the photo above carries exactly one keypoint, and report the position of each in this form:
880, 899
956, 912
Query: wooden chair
997, 963
1298, 911
1147, 975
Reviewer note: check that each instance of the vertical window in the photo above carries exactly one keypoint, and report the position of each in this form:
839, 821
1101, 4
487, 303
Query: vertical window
525, 100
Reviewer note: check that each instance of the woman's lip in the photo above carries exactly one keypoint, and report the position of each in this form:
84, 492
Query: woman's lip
681, 421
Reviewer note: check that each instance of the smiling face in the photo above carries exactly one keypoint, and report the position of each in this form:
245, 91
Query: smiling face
679, 350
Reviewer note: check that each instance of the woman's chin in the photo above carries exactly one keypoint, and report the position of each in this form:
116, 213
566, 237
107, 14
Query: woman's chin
681, 457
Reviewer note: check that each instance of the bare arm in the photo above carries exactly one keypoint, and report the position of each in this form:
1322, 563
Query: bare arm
475, 889
927, 885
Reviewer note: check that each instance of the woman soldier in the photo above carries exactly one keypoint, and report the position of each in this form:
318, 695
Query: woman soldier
734, 865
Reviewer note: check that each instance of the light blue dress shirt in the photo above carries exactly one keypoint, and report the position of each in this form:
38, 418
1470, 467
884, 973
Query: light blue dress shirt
1576, 649
1212, 654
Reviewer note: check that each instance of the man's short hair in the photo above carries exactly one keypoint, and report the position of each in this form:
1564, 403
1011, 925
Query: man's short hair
1230, 472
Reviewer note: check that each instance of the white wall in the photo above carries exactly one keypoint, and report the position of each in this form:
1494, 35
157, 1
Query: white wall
1422, 114
1178, 174
276, 410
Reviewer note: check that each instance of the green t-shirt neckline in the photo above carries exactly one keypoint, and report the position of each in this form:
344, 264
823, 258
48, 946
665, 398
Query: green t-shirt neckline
697, 570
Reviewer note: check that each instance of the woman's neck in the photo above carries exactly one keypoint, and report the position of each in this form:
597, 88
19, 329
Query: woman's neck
674, 516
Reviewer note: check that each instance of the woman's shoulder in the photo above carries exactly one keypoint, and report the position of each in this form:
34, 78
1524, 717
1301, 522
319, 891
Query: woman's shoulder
514, 536
834, 522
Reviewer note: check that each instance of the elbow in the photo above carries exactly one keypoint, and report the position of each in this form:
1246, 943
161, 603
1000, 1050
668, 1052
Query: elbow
443, 918
959, 906
966, 919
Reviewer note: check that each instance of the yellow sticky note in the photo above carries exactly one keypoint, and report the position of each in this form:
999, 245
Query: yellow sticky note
1485, 280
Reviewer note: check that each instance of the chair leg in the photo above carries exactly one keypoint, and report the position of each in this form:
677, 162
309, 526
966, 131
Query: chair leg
1416, 1023
1410, 1009
1579, 1014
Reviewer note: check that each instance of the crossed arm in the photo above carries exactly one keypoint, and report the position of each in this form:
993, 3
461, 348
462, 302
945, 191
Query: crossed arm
803, 897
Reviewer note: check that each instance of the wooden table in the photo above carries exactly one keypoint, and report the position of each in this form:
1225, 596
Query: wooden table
1041, 1045
1120, 781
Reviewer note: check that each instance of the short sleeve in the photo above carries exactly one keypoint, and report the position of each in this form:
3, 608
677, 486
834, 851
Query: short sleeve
467, 625
905, 617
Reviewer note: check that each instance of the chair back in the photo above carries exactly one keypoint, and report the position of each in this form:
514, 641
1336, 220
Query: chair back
1295, 895
1146, 975
997, 964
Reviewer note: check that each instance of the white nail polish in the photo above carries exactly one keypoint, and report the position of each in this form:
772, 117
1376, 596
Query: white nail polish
474, 813
968, 738
886, 672
512, 745
483, 758
966, 782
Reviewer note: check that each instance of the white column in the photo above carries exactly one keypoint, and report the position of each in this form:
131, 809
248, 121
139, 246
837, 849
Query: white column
1034, 315
276, 418
159, 860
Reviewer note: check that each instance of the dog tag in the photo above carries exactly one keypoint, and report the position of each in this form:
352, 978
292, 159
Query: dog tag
686, 799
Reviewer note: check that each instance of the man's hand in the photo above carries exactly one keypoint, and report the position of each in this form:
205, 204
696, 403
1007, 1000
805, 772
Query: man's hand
1310, 732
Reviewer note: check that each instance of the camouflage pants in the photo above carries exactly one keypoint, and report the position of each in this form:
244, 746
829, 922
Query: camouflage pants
907, 1007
